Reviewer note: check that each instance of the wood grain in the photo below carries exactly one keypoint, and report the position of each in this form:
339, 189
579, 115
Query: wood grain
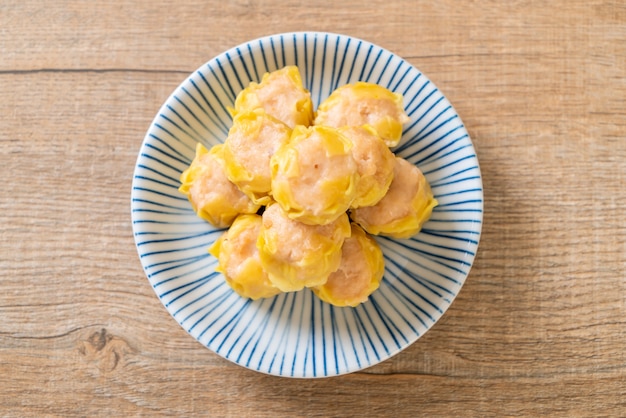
539, 329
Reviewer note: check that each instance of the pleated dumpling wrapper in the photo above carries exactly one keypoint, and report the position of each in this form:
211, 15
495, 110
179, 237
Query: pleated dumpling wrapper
359, 273
296, 255
375, 163
364, 103
314, 175
252, 140
239, 259
281, 94
404, 209
212, 196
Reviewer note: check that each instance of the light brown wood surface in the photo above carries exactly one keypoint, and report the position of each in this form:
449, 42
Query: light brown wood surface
539, 329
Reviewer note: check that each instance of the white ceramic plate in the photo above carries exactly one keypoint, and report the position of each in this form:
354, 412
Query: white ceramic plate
296, 334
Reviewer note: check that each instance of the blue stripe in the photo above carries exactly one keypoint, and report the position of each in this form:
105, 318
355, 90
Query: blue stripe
380, 76
388, 323
245, 67
404, 293
230, 324
419, 279
189, 131
300, 327
276, 66
350, 335
262, 48
414, 262
183, 161
441, 235
333, 72
272, 333
258, 331
471, 178
193, 115
343, 61
231, 91
363, 331
282, 50
223, 128
182, 210
183, 262
376, 331
321, 84
307, 81
406, 72
367, 57
188, 273
336, 341
169, 240
369, 75
391, 305
158, 182
183, 156
153, 171
409, 85
313, 66
257, 77
213, 301
192, 285
312, 333
450, 164
234, 344
392, 76
429, 158
143, 189
214, 94
240, 83
356, 54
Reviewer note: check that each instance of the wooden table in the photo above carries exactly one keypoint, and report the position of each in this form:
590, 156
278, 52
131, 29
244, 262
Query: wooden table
539, 329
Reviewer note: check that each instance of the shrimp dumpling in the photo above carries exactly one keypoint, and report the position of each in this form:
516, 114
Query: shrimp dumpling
212, 196
239, 259
252, 140
314, 175
364, 103
296, 255
281, 94
404, 209
359, 273
374, 162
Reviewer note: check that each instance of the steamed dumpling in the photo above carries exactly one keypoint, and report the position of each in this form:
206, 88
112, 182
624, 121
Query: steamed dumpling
404, 209
359, 273
296, 255
252, 140
374, 162
281, 94
314, 175
365, 104
239, 259
212, 196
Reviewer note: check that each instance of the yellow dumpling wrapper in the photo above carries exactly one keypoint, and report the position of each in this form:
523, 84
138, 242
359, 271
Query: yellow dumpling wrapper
375, 163
365, 103
359, 273
281, 94
407, 205
252, 140
314, 175
212, 196
239, 259
296, 255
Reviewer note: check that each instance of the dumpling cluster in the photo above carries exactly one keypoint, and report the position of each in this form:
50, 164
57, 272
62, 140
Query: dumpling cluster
302, 192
